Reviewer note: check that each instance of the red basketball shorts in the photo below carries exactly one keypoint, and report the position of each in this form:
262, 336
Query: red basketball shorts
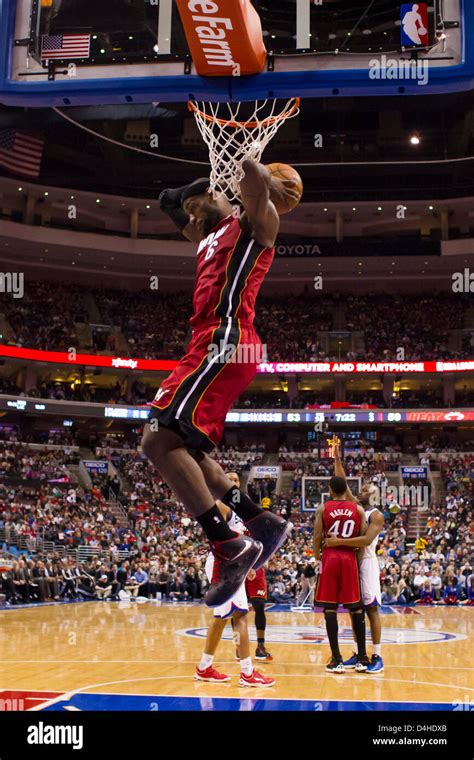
338, 581
257, 589
219, 365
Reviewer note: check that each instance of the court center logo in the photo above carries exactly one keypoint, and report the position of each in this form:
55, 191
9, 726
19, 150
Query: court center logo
314, 634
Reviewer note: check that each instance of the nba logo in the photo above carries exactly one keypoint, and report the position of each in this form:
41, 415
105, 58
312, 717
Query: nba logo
414, 18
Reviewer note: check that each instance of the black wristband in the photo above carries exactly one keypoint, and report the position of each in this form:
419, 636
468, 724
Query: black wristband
179, 217
170, 204
171, 197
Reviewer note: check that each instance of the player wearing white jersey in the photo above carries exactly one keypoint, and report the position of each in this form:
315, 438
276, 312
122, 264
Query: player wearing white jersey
369, 571
236, 608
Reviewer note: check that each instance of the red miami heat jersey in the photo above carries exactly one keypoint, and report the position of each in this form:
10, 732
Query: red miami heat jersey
338, 580
341, 520
230, 271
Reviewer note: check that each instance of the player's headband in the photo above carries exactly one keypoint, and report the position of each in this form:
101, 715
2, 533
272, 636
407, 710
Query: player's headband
195, 188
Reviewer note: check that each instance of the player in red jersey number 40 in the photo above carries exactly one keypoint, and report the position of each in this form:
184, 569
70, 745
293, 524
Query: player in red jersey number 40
338, 582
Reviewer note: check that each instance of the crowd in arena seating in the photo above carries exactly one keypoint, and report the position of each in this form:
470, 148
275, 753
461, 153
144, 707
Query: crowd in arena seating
143, 393
153, 548
155, 323
419, 325
458, 474
24, 463
427, 398
238, 461
367, 466
44, 317
8, 387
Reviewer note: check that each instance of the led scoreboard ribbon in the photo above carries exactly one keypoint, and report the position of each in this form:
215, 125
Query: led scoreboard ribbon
265, 417
266, 368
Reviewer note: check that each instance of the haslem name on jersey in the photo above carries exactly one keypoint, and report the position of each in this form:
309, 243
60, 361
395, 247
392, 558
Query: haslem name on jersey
341, 513
212, 241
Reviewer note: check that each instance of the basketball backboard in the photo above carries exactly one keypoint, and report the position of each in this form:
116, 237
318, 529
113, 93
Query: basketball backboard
79, 52
315, 490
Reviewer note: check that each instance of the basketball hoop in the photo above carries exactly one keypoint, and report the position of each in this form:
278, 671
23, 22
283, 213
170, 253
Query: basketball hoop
232, 141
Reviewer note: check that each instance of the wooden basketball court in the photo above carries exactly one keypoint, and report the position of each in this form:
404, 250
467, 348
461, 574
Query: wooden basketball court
123, 656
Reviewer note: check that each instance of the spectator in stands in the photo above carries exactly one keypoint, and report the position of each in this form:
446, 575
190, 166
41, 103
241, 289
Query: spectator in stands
69, 580
164, 580
128, 583
176, 588
141, 577
112, 576
426, 594
103, 586
86, 581
40, 575
308, 582
280, 590
451, 592
192, 584
469, 591
436, 584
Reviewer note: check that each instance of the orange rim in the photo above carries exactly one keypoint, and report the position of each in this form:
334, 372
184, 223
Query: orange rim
248, 124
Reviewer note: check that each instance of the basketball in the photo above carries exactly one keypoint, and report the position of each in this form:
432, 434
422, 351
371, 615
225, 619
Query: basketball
285, 203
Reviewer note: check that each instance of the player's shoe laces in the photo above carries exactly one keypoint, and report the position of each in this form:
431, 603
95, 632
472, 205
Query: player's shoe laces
271, 530
262, 654
256, 679
351, 662
362, 664
376, 664
233, 560
335, 666
210, 674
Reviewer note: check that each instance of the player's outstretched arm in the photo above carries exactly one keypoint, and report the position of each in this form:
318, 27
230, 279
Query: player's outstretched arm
375, 526
260, 219
339, 471
318, 532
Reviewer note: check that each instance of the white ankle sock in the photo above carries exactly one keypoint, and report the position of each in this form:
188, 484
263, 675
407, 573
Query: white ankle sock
206, 661
246, 666
378, 649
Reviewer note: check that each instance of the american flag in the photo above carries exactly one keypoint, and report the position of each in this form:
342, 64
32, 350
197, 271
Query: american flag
20, 152
65, 46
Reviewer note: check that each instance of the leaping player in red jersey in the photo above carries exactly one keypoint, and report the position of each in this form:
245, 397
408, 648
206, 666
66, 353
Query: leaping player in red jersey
188, 414
338, 581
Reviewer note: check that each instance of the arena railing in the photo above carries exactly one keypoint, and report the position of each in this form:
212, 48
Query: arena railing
36, 545
30, 544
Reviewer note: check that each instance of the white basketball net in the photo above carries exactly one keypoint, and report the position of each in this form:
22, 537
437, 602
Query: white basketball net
231, 141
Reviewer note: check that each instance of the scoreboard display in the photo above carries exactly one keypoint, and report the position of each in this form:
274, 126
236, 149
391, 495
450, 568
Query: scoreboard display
276, 417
